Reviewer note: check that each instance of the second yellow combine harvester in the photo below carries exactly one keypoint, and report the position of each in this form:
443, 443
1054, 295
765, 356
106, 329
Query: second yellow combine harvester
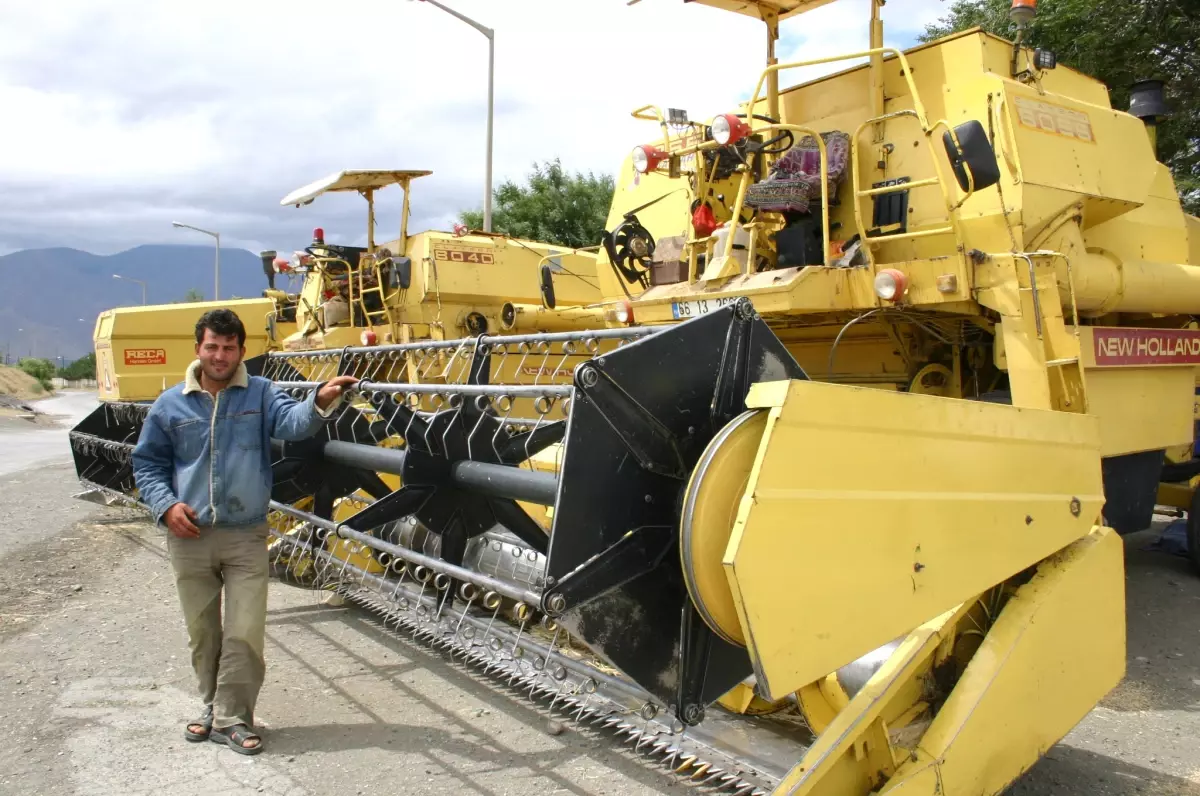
427, 285
828, 506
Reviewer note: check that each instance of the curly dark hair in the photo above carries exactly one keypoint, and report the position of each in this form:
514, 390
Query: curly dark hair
223, 323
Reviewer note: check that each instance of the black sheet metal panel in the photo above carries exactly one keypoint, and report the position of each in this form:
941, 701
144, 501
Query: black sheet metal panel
101, 445
630, 446
299, 468
459, 475
470, 435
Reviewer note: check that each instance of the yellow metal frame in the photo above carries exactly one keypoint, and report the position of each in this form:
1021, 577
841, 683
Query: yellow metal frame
953, 528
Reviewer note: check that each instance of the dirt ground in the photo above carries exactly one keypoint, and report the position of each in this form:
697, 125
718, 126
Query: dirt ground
19, 384
95, 686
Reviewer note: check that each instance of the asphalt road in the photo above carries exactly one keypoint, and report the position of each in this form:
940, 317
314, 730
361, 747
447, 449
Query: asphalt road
95, 685
24, 449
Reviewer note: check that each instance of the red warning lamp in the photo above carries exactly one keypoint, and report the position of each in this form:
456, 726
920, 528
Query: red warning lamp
319, 235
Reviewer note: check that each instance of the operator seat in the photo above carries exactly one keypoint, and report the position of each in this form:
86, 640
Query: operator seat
794, 182
792, 187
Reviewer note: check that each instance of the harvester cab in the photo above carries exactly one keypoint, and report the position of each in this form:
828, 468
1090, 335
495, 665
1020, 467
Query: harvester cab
339, 269
774, 187
422, 286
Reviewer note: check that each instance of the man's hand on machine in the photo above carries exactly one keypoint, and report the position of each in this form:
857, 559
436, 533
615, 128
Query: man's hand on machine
331, 390
180, 520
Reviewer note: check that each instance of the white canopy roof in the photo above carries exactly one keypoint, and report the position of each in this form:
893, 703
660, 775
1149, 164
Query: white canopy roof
755, 8
351, 180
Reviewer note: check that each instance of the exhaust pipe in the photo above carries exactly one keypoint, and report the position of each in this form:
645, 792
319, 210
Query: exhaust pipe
1148, 103
268, 264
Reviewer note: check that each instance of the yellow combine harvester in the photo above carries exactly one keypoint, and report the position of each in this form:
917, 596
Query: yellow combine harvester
430, 285
141, 351
413, 287
827, 506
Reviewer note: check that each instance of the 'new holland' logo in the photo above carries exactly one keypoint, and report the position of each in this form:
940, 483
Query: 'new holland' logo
1115, 347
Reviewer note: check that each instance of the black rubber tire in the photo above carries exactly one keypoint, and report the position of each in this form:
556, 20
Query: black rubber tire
1193, 530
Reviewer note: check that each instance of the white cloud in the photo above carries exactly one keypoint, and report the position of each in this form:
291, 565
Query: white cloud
131, 113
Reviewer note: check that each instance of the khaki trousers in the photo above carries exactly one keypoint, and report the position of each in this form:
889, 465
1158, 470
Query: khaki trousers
227, 657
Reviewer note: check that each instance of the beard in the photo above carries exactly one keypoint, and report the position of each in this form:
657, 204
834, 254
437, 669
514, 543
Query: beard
219, 373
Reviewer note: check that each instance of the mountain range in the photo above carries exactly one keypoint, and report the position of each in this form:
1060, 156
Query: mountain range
49, 298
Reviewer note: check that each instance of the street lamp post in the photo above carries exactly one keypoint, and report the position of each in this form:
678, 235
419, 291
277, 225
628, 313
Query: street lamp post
487, 175
216, 263
131, 279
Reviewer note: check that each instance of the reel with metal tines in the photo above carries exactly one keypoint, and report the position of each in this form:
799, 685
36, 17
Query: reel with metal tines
533, 656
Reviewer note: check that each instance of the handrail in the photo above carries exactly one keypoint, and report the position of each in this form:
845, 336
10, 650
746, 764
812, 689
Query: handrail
900, 186
321, 262
905, 72
918, 111
1053, 255
1009, 136
739, 203
940, 180
641, 113
652, 113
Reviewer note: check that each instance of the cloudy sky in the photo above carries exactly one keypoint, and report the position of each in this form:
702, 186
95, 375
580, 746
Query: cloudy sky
124, 115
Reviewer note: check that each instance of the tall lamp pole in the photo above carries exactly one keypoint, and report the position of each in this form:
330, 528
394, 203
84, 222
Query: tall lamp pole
216, 263
491, 37
131, 279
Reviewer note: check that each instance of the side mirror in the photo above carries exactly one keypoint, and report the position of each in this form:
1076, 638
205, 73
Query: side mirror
401, 272
547, 279
973, 156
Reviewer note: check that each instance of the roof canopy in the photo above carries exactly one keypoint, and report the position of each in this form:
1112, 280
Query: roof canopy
755, 8
352, 180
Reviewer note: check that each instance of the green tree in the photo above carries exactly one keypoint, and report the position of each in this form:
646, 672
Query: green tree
40, 369
554, 207
1117, 42
192, 295
82, 368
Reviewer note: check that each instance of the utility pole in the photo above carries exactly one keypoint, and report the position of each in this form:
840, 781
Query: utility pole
216, 263
487, 172
131, 279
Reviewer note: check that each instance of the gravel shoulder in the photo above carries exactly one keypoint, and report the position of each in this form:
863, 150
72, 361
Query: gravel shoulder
95, 686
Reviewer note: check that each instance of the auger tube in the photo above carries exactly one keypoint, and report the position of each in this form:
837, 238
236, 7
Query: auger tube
493, 480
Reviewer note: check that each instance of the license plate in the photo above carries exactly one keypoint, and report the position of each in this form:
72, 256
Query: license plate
682, 310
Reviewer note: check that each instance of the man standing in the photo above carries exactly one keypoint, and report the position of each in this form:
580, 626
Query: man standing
203, 466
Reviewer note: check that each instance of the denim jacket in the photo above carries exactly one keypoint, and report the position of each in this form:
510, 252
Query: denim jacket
214, 454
